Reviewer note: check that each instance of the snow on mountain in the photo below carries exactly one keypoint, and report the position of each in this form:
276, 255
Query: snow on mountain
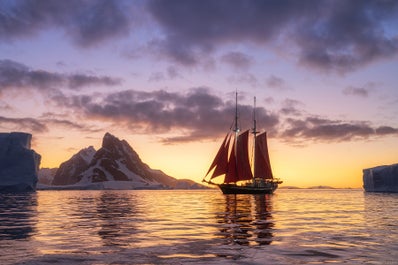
68, 172
117, 161
19, 164
173, 183
46, 175
114, 166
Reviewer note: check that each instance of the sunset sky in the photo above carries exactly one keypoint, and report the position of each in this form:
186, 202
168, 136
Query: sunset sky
162, 75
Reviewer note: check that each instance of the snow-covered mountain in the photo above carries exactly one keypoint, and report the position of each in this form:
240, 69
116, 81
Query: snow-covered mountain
117, 161
174, 183
69, 171
114, 166
46, 175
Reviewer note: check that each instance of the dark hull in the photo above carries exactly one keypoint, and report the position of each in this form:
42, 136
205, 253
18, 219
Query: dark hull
236, 189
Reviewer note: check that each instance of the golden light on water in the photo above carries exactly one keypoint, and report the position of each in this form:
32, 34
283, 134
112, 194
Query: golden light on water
201, 226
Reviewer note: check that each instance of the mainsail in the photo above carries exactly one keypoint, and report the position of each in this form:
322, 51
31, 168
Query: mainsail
243, 168
262, 166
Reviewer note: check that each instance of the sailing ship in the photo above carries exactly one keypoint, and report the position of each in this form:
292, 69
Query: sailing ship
232, 161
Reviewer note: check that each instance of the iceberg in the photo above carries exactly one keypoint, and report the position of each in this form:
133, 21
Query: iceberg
381, 178
19, 164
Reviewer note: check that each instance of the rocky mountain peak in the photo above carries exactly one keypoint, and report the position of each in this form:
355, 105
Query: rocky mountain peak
109, 140
68, 170
118, 148
115, 162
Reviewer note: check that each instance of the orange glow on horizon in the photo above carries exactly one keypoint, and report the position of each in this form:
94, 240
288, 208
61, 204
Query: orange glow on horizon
328, 164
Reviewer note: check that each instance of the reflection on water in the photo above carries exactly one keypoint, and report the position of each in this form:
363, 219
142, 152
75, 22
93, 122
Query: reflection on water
17, 215
83, 221
378, 210
247, 219
198, 227
113, 213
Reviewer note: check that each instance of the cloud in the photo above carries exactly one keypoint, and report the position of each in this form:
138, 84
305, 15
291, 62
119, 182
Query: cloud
173, 72
86, 22
68, 124
276, 82
328, 35
5, 106
81, 80
356, 91
386, 130
244, 78
237, 60
42, 124
174, 51
22, 124
16, 75
170, 74
361, 91
197, 114
157, 77
194, 115
325, 130
13, 74
346, 35
291, 107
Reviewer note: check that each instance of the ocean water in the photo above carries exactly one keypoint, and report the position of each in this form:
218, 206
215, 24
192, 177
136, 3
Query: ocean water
199, 227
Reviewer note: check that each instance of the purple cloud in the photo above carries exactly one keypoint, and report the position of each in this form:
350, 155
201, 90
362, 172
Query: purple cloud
329, 35
87, 22
326, 130
16, 75
237, 60
201, 115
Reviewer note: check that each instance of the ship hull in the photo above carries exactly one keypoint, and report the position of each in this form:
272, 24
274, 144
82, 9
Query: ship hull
236, 189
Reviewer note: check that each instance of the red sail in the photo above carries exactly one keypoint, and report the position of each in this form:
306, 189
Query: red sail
238, 163
242, 157
220, 162
262, 167
231, 174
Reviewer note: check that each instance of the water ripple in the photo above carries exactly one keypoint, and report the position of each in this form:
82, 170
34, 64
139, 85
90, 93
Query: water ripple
198, 227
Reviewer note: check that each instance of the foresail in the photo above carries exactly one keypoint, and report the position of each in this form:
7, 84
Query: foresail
220, 162
231, 175
262, 167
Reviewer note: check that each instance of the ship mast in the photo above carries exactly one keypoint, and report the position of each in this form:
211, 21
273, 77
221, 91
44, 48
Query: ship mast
236, 128
254, 132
